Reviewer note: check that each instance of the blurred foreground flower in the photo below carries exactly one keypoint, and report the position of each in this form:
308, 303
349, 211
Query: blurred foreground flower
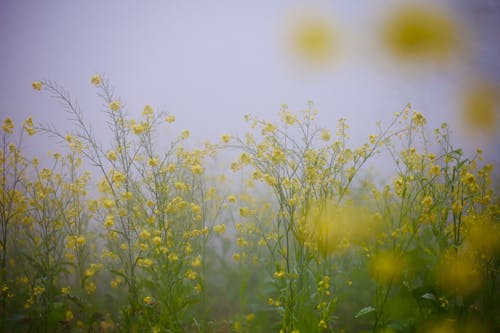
313, 38
421, 33
481, 107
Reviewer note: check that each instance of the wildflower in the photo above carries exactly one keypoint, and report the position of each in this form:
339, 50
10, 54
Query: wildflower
196, 169
279, 274
69, 316
148, 111
153, 162
138, 128
191, 275
111, 155
420, 33
325, 135
145, 234
38, 290
185, 134
219, 228
480, 107
226, 138
37, 85
65, 290
170, 119
418, 119
314, 39
115, 105
28, 126
90, 287
245, 211
427, 201
109, 222
322, 324
80, 240
116, 282
8, 125
156, 240
146, 262
231, 198
196, 262
148, 300
96, 80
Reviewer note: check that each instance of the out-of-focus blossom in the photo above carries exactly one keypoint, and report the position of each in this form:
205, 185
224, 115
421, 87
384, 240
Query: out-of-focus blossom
481, 107
418, 33
313, 38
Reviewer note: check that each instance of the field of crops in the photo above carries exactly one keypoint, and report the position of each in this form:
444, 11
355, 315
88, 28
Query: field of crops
130, 235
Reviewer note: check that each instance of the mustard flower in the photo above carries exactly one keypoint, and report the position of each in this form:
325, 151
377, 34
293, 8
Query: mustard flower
170, 119
115, 105
325, 135
96, 80
8, 125
37, 85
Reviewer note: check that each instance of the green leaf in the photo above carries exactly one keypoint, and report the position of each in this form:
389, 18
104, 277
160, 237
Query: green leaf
365, 311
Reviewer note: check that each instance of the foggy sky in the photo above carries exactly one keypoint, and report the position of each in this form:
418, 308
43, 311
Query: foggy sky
211, 62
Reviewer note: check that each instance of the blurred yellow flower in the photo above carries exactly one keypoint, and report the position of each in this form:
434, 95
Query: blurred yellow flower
96, 80
313, 38
481, 107
170, 119
114, 105
420, 33
37, 85
8, 125
386, 267
69, 316
325, 135
219, 228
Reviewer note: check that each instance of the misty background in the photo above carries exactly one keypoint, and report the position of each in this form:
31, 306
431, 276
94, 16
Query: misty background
211, 62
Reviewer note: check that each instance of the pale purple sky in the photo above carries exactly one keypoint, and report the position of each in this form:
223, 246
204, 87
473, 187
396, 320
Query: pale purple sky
211, 62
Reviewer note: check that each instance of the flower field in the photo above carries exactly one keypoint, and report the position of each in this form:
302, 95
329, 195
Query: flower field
132, 234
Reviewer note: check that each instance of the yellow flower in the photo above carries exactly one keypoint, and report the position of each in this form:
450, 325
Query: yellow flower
37, 85
170, 119
279, 274
115, 105
148, 111
313, 38
427, 202
109, 222
8, 125
111, 155
418, 119
156, 240
148, 300
191, 275
28, 126
153, 162
231, 198
38, 290
325, 135
420, 33
185, 134
196, 169
481, 107
226, 138
145, 234
80, 240
219, 228
95, 80
69, 316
